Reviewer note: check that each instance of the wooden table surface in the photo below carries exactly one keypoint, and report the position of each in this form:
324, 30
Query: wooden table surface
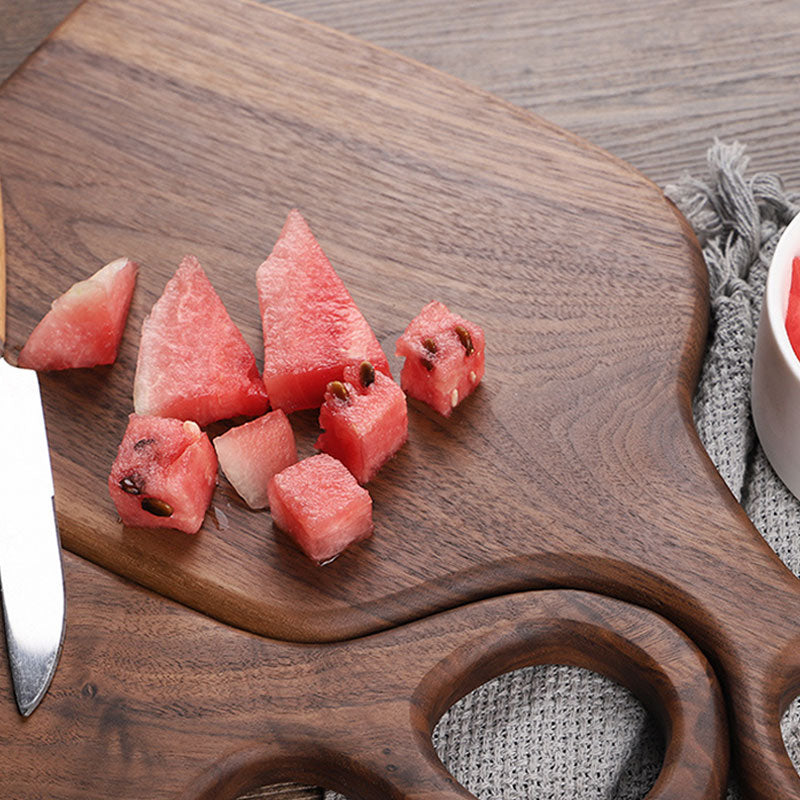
652, 81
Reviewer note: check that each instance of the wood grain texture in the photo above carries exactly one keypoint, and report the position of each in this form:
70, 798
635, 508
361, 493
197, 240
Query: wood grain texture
23, 26
418, 187
585, 76
651, 82
153, 700
576, 464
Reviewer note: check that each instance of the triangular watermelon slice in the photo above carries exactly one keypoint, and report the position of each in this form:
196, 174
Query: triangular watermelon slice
312, 327
84, 325
193, 361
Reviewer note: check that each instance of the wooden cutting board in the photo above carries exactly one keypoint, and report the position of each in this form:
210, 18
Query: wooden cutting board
155, 129
147, 130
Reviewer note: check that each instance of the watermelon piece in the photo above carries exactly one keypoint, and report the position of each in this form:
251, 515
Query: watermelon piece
312, 327
793, 323
193, 361
252, 453
365, 420
84, 326
794, 288
320, 505
164, 474
444, 355
793, 309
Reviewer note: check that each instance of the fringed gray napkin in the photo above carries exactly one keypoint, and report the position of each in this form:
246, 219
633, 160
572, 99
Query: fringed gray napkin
555, 732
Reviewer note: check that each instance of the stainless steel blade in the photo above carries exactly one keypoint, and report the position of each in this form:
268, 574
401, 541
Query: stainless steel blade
31, 576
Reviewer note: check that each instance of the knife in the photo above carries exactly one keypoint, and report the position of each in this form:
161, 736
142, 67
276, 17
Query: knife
31, 576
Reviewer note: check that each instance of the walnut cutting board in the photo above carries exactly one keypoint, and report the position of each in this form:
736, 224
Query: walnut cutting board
155, 129
144, 130
147, 130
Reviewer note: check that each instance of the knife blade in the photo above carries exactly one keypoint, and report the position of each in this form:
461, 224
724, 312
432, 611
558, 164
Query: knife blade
31, 575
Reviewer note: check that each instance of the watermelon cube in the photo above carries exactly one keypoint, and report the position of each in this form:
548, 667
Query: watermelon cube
444, 355
84, 326
321, 506
193, 361
365, 420
164, 474
312, 327
252, 453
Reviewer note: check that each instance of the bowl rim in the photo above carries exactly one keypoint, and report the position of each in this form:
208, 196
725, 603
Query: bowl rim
776, 295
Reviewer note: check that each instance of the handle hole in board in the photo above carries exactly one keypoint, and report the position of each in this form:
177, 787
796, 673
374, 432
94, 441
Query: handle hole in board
550, 731
790, 730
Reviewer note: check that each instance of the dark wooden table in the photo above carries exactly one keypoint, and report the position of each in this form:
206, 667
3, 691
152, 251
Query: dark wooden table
652, 81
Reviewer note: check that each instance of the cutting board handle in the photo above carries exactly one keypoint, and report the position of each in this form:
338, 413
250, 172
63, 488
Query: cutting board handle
760, 686
363, 726
152, 699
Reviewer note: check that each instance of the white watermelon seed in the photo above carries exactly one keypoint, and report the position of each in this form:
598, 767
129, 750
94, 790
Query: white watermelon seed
130, 484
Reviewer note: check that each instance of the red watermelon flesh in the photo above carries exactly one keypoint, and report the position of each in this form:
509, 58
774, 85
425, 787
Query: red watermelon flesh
85, 324
252, 453
164, 474
793, 323
193, 361
312, 327
365, 420
320, 504
793, 310
795, 284
444, 355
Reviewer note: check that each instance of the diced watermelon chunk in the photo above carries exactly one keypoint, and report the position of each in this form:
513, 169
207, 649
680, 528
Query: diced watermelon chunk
365, 420
444, 355
164, 474
193, 361
252, 453
320, 504
84, 325
312, 327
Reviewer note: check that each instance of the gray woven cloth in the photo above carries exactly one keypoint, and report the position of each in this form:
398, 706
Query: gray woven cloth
555, 732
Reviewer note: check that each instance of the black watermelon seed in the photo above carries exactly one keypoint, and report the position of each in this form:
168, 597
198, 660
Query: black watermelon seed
466, 339
338, 389
156, 507
366, 373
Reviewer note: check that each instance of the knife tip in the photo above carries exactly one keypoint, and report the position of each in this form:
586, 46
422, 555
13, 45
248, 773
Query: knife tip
32, 673
27, 710
27, 703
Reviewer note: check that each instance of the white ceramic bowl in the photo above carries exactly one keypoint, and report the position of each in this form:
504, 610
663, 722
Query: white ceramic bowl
775, 397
